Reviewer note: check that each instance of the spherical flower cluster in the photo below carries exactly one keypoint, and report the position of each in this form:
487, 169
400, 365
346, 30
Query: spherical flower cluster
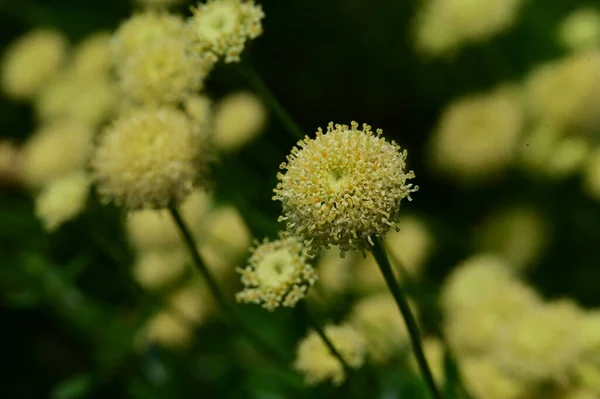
220, 28
165, 329
149, 158
62, 199
225, 228
563, 93
477, 136
91, 58
55, 149
192, 302
376, 319
278, 274
31, 61
485, 380
543, 343
442, 26
580, 29
239, 118
518, 234
161, 72
343, 187
156, 269
142, 29
200, 109
318, 364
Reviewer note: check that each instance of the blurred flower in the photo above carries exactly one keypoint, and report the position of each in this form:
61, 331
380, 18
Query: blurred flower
334, 272
315, 361
564, 92
434, 354
165, 329
157, 268
580, 29
62, 199
539, 146
410, 245
225, 228
343, 187
152, 229
442, 26
518, 233
376, 318
239, 118
31, 61
220, 28
161, 72
484, 380
192, 302
278, 274
543, 343
588, 376
591, 174
477, 136
199, 108
55, 149
91, 57
569, 155
149, 158
142, 29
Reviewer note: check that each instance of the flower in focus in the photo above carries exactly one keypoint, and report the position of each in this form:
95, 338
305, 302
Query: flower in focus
149, 158
278, 274
62, 199
239, 118
31, 61
220, 28
580, 30
53, 150
477, 136
315, 361
376, 319
343, 187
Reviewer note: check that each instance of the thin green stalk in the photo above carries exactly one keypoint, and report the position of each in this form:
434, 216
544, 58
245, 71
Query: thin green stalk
216, 291
409, 319
263, 91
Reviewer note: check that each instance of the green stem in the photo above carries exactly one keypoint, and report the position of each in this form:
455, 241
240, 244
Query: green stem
263, 91
216, 291
409, 319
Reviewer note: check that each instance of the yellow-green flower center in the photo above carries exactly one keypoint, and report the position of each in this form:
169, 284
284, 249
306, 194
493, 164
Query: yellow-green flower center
275, 268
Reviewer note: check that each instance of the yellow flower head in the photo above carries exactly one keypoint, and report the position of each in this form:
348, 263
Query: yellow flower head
315, 361
580, 29
142, 29
55, 149
376, 318
156, 269
485, 380
31, 61
62, 199
192, 302
91, 58
200, 109
165, 329
278, 274
149, 158
162, 72
343, 187
239, 118
220, 28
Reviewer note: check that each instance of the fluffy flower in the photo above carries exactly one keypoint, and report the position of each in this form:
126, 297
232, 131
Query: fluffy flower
152, 229
518, 233
162, 72
591, 174
564, 93
318, 364
444, 25
149, 158
343, 187
543, 343
55, 149
91, 58
62, 199
156, 269
580, 29
142, 29
477, 136
484, 380
278, 274
376, 319
239, 118
220, 28
31, 61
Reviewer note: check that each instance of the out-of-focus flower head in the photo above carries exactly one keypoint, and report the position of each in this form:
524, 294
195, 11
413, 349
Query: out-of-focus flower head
278, 274
434, 354
239, 118
225, 228
477, 136
91, 58
62, 199
150, 158
315, 361
166, 329
485, 380
580, 29
410, 245
31, 61
343, 187
156, 269
221, 28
